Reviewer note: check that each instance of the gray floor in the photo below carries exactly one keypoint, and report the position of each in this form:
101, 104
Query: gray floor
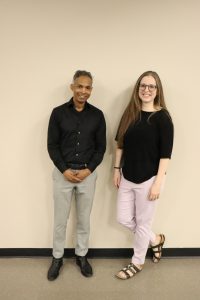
171, 279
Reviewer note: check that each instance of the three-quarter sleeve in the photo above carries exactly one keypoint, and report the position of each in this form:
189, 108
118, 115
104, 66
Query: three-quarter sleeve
166, 135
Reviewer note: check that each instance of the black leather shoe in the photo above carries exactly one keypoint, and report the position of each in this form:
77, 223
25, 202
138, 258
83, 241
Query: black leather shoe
54, 268
84, 265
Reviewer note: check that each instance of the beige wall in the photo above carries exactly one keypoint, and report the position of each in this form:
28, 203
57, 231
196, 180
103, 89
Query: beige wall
42, 44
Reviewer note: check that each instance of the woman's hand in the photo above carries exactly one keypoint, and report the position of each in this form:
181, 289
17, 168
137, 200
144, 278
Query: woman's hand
154, 192
117, 177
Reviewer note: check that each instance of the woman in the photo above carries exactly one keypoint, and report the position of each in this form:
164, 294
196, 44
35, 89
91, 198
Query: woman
144, 144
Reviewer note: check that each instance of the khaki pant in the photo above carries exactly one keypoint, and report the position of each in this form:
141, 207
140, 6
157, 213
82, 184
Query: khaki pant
63, 194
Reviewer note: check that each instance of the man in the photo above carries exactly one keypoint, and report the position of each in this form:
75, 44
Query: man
76, 145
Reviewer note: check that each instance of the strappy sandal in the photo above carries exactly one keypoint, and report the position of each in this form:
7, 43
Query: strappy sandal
129, 271
157, 249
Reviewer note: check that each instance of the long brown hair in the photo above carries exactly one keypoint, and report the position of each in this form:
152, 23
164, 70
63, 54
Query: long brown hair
133, 110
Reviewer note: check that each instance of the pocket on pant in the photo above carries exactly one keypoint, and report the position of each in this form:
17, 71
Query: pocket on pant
94, 175
55, 174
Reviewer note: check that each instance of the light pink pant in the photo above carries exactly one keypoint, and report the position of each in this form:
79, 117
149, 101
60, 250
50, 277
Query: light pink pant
136, 212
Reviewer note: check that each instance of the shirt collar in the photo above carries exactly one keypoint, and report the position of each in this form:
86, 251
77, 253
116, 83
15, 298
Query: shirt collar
70, 103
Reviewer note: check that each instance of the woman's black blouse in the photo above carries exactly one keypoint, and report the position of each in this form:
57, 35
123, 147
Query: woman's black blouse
145, 143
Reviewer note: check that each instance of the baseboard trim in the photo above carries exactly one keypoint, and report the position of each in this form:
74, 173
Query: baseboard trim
96, 252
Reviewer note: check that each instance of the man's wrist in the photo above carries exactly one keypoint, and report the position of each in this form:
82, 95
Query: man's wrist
88, 170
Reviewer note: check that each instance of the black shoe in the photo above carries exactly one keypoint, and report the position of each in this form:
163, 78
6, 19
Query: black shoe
84, 265
54, 268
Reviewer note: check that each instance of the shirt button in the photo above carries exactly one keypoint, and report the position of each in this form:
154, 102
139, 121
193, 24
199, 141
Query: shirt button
78, 143
76, 154
79, 132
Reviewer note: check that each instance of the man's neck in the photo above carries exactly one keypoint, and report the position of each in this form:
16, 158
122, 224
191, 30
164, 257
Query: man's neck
79, 108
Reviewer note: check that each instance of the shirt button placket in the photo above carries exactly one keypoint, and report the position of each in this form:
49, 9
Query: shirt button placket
78, 143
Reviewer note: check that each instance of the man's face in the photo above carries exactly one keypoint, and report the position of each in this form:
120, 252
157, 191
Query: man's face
81, 88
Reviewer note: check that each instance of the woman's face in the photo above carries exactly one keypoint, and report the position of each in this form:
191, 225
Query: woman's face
147, 90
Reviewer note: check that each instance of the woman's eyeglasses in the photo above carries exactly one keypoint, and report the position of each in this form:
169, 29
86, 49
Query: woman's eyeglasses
151, 87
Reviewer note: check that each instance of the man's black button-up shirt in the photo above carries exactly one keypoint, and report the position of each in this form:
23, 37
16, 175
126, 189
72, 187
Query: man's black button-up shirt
76, 137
